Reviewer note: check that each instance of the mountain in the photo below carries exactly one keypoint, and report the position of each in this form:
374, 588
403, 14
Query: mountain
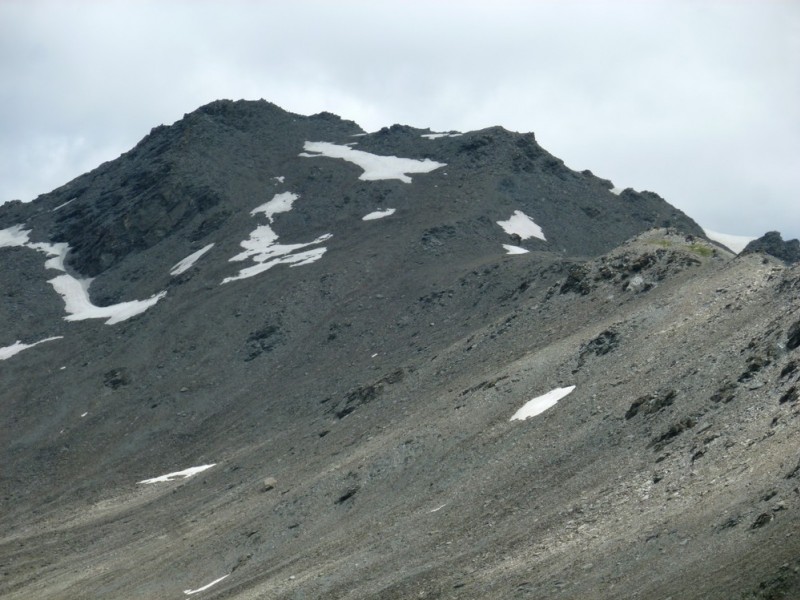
264, 355
773, 244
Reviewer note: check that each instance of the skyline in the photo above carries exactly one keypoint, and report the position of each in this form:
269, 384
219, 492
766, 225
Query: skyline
695, 101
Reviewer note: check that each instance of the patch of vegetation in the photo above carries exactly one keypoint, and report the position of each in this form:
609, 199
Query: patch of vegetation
701, 249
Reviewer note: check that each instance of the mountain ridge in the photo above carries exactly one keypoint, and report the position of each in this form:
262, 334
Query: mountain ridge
353, 406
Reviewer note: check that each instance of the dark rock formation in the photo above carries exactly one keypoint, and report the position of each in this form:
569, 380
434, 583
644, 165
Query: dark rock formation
772, 243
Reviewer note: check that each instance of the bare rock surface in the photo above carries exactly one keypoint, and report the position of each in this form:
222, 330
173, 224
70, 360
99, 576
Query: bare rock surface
341, 427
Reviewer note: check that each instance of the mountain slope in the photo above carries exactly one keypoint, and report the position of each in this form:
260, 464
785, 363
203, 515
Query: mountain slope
352, 381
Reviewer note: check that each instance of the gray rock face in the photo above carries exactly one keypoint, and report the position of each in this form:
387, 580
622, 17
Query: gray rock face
772, 243
338, 425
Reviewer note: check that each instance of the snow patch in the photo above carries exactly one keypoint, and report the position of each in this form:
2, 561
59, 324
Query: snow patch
436, 136
13, 236
57, 252
280, 203
521, 224
279, 178
375, 167
79, 307
75, 292
541, 403
186, 473
188, 262
735, 242
18, 346
205, 587
262, 246
514, 249
378, 214
617, 191
60, 206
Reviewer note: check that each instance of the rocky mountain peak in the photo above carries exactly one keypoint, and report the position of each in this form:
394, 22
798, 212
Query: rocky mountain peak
772, 243
269, 355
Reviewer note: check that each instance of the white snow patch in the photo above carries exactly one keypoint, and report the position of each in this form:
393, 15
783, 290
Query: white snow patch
279, 178
617, 191
435, 136
79, 307
18, 346
182, 474
60, 206
293, 260
13, 236
375, 167
522, 225
205, 587
735, 242
57, 253
438, 508
280, 203
378, 214
262, 246
75, 292
541, 403
514, 249
188, 262
84, 414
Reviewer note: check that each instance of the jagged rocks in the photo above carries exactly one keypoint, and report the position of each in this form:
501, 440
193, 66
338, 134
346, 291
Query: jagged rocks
790, 395
651, 403
674, 431
772, 243
637, 267
793, 340
762, 520
116, 378
366, 393
264, 339
604, 343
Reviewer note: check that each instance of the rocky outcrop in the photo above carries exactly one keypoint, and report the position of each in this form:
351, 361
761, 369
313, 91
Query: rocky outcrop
772, 243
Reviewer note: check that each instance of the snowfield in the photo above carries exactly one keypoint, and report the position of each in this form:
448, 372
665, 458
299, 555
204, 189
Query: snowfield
378, 214
18, 346
186, 473
375, 167
188, 262
735, 242
436, 136
205, 587
541, 403
280, 203
514, 249
522, 225
262, 246
75, 292
79, 307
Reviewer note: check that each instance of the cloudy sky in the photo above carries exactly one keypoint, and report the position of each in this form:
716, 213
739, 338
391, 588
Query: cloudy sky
698, 101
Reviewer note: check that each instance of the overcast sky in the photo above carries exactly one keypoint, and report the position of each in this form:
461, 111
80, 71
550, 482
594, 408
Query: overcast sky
698, 101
